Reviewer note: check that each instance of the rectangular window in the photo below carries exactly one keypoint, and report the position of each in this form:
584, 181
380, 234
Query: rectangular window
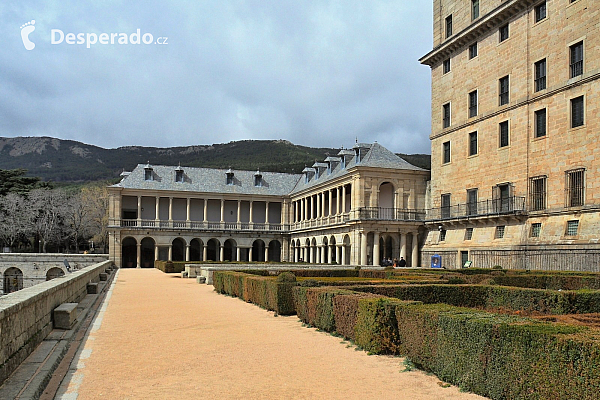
472, 202
575, 187
446, 66
540, 11
503, 201
499, 232
448, 26
504, 134
446, 151
472, 143
473, 104
540, 123
445, 205
572, 228
179, 175
503, 90
576, 59
474, 9
148, 174
577, 112
540, 75
473, 50
503, 32
446, 115
537, 193
536, 229
468, 233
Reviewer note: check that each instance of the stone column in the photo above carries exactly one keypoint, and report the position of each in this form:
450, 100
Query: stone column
376, 248
343, 199
266, 213
295, 254
170, 258
415, 250
204, 251
222, 211
237, 253
330, 201
251, 217
139, 210
139, 255
403, 245
187, 252
239, 206
343, 257
221, 252
188, 212
170, 212
363, 248
157, 212
266, 253
204, 219
311, 254
329, 253
250, 253
155, 252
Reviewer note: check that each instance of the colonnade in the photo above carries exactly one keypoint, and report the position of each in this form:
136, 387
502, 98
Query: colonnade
323, 204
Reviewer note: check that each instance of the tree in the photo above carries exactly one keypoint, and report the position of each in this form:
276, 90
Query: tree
47, 210
13, 218
15, 181
78, 219
95, 198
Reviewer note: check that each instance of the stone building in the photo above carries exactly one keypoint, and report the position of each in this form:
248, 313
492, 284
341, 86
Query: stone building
515, 122
356, 208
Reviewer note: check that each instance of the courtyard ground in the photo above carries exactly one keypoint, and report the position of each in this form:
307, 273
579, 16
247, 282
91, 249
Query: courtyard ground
162, 337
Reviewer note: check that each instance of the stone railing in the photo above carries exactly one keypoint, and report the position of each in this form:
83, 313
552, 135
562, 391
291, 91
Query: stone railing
197, 225
26, 315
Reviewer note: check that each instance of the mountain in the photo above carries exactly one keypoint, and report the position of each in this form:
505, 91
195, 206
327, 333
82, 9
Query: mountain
71, 161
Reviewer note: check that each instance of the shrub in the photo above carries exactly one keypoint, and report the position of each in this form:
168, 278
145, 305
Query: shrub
286, 277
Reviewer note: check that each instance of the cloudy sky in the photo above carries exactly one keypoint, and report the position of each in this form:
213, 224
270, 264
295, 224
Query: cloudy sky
318, 73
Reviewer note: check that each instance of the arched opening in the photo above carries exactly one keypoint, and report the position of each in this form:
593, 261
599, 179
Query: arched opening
148, 252
13, 280
129, 253
196, 250
386, 201
275, 251
333, 252
178, 252
346, 250
388, 248
325, 249
212, 250
258, 250
229, 250
54, 272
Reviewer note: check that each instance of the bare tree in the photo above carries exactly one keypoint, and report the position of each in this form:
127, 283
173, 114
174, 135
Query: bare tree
95, 198
78, 219
46, 212
13, 218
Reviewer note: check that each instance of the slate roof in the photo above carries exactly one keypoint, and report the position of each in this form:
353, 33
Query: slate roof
209, 180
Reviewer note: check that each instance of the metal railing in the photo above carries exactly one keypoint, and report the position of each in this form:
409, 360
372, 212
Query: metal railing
503, 206
391, 214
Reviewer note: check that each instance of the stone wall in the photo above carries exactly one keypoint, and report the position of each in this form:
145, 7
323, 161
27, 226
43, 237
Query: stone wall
26, 315
35, 266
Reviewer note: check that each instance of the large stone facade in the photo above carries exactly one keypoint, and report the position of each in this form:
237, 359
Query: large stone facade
356, 208
515, 122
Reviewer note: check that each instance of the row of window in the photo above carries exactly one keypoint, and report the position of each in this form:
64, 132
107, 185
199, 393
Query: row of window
540, 128
540, 79
571, 229
180, 177
540, 13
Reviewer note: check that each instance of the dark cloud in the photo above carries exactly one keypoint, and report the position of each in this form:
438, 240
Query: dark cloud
317, 73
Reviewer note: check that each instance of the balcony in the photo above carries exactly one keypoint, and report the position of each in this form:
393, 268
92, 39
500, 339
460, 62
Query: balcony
497, 207
197, 225
390, 214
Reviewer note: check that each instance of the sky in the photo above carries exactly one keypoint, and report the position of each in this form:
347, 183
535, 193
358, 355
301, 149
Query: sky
319, 73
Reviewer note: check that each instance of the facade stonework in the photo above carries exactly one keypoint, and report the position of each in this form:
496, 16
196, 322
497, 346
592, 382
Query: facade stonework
522, 175
357, 208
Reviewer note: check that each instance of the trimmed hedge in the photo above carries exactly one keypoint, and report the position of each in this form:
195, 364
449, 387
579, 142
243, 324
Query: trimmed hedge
314, 305
554, 282
266, 292
494, 297
170, 267
501, 356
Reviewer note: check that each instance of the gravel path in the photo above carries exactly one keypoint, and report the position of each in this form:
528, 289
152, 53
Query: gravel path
163, 337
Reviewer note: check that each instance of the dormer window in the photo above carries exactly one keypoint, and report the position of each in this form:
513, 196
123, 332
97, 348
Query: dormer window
258, 179
148, 173
308, 173
179, 174
345, 157
229, 174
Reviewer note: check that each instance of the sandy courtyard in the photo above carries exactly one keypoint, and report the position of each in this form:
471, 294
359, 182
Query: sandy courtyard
163, 337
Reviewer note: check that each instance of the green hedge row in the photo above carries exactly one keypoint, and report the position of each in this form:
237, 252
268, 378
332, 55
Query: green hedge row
545, 281
494, 297
170, 267
266, 292
494, 355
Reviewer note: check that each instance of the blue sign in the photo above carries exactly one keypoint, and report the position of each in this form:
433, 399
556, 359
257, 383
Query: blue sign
436, 261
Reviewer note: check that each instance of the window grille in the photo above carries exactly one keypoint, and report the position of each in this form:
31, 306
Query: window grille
499, 232
473, 104
536, 228
577, 112
540, 123
537, 193
575, 188
576, 59
504, 87
469, 234
540, 75
572, 228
